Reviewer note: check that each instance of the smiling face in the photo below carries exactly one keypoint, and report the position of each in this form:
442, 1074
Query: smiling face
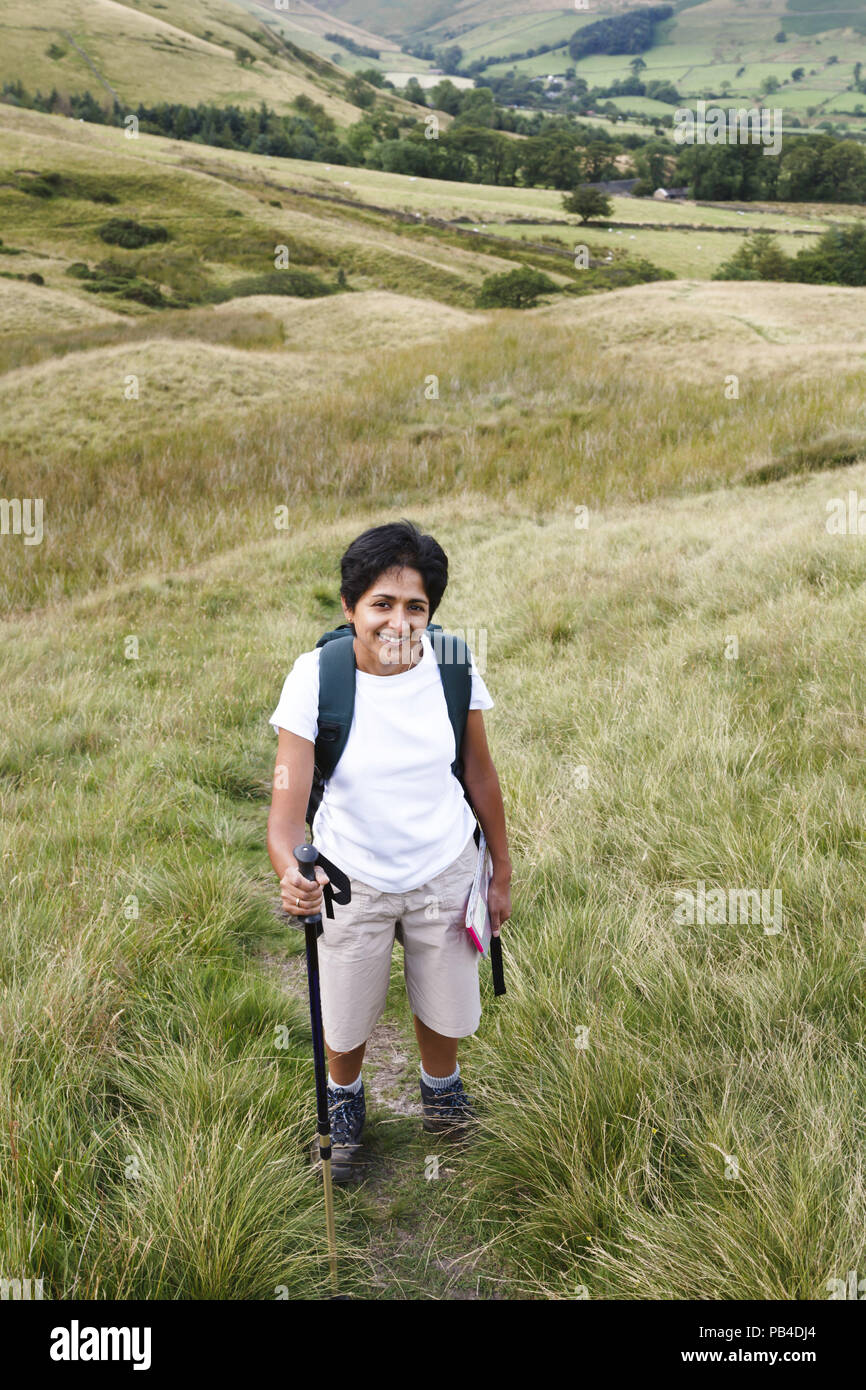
389, 619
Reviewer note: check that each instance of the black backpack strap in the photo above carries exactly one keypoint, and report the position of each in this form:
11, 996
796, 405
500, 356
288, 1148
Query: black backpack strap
452, 654
336, 707
336, 701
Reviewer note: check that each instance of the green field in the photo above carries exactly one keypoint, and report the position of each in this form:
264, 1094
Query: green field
687, 253
520, 32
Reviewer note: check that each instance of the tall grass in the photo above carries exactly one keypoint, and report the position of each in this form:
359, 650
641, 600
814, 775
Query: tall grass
156, 1090
702, 1137
520, 417
705, 1142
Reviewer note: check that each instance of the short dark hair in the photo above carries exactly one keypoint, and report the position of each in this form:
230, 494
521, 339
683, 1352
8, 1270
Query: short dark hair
393, 546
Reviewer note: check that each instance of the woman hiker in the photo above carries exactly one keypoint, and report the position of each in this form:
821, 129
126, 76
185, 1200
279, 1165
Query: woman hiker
394, 818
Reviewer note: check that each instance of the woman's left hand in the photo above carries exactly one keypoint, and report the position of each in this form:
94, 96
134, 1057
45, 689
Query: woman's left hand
498, 902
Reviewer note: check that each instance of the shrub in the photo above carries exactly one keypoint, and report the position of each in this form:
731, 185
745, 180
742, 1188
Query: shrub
126, 232
759, 258
515, 289
299, 283
42, 186
111, 278
838, 258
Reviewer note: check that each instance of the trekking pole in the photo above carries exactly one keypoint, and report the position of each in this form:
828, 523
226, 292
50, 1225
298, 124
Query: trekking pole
306, 856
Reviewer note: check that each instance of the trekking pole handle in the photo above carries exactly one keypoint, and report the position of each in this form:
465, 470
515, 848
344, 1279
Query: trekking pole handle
307, 856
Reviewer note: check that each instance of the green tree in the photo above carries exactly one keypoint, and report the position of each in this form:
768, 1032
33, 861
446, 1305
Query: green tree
449, 58
588, 203
477, 108
651, 162
414, 92
759, 258
562, 167
838, 258
446, 97
599, 161
371, 75
359, 93
359, 138
515, 289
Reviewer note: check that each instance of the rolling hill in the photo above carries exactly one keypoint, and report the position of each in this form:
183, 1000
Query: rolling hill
183, 50
219, 370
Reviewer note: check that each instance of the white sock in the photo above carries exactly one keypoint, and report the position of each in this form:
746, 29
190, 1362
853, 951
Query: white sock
353, 1086
439, 1083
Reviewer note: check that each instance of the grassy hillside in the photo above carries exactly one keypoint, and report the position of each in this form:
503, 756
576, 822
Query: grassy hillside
144, 50
224, 217
447, 17
156, 1098
306, 26
130, 396
146, 978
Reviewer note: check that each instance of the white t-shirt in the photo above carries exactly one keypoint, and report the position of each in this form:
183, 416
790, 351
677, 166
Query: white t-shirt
393, 814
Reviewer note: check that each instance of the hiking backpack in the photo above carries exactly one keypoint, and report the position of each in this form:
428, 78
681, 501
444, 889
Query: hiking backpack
337, 668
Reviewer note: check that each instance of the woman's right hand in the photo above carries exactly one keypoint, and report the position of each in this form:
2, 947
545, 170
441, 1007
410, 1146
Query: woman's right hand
300, 897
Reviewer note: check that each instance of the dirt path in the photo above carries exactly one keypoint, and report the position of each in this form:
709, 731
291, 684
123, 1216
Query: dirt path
414, 1180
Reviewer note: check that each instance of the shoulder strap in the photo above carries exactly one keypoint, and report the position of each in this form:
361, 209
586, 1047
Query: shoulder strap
452, 655
336, 697
336, 707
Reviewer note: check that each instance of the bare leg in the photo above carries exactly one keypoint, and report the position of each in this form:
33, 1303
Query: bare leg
438, 1053
345, 1066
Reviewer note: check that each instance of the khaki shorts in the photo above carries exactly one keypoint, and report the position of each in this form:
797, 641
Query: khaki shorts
440, 962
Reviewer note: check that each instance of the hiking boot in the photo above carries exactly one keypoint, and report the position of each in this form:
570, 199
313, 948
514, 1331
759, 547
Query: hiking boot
347, 1112
446, 1112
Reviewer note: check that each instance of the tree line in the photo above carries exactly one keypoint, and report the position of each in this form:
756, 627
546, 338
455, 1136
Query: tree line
837, 258
626, 33
809, 169
556, 152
